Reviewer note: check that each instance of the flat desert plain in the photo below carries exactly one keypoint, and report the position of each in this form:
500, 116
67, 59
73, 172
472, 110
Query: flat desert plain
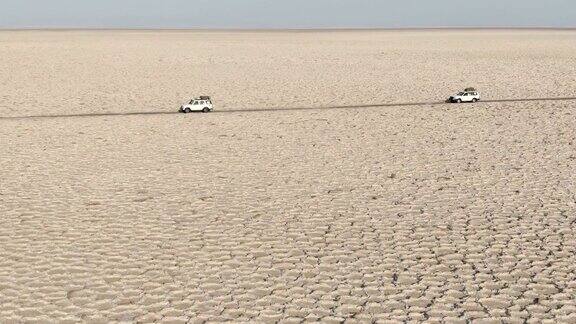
330, 184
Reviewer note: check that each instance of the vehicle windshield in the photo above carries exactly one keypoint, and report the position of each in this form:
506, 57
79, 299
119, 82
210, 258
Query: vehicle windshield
191, 102
460, 93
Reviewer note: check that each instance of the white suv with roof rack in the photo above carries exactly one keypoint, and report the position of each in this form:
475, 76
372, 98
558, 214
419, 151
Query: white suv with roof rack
468, 95
202, 103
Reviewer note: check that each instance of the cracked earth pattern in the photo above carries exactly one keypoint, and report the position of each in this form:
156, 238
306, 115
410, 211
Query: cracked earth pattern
292, 216
448, 213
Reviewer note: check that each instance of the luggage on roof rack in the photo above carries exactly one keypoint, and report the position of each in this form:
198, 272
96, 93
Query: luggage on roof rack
204, 97
470, 89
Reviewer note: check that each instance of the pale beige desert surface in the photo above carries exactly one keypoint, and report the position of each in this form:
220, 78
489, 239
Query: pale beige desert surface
402, 213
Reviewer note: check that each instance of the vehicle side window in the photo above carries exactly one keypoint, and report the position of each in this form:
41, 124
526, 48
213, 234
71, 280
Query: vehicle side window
195, 102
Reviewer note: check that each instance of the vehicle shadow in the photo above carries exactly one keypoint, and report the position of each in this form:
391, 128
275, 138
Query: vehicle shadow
272, 109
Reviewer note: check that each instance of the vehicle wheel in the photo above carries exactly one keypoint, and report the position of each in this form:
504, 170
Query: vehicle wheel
459, 101
187, 110
474, 100
205, 110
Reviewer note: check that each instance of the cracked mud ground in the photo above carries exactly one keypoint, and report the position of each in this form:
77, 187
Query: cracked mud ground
444, 213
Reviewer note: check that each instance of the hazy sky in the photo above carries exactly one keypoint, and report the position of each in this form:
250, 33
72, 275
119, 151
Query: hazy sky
285, 14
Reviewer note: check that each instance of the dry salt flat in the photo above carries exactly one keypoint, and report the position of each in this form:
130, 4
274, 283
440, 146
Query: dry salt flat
390, 213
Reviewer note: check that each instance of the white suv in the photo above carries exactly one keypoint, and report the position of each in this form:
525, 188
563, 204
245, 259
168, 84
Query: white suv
468, 95
202, 103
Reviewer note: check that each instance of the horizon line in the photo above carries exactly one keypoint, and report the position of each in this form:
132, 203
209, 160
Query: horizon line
295, 29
